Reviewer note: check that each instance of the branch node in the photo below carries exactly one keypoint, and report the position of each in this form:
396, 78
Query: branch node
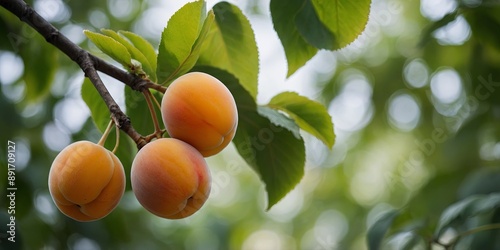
139, 84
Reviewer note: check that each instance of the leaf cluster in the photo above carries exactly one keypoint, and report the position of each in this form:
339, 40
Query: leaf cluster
221, 42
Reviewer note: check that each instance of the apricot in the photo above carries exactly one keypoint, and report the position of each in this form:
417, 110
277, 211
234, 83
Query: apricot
199, 109
170, 178
86, 181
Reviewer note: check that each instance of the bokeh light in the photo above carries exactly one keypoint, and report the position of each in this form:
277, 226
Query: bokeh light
55, 11
454, 33
14, 92
23, 153
55, 138
331, 225
72, 113
74, 33
352, 109
45, 207
403, 111
78, 242
416, 73
288, 207
11, 67
437, 9
98, 19
34, 114
446, 85
123, 9
265, 240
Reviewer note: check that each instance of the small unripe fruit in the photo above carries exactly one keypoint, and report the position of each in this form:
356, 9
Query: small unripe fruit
86, 181
199, 109
170, 178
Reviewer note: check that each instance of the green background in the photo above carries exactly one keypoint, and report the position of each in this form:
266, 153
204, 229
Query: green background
416, 108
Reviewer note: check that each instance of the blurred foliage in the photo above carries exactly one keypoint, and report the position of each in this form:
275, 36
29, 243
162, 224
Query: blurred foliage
417, 115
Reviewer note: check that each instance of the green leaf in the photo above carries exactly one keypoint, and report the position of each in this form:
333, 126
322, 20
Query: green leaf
279, 119
377, 230
311, 116
297, 50
142, 45
304, 26
466, 208
345, 18
111, 47
98, 110
231, 46
455, 213
138, 112
412, 241
182, 40
487, 204
480, 181
274, 152
135, 53
313, 30
40, 63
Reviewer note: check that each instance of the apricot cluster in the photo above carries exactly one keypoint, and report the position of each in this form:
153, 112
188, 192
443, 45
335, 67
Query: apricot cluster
169, 176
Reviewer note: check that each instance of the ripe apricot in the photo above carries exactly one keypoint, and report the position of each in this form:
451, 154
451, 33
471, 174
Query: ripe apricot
199, 109
170, 178
86, 181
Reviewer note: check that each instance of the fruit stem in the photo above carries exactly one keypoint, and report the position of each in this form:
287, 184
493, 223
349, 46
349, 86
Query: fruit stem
156, 135
157, 103
106, 133
147, 94
157, 87
117, 142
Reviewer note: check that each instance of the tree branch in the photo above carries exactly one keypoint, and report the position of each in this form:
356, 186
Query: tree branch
135, 82
88, 63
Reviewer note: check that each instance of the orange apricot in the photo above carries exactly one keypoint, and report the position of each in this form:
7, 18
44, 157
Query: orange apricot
170, 178
199, 109
86, 181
